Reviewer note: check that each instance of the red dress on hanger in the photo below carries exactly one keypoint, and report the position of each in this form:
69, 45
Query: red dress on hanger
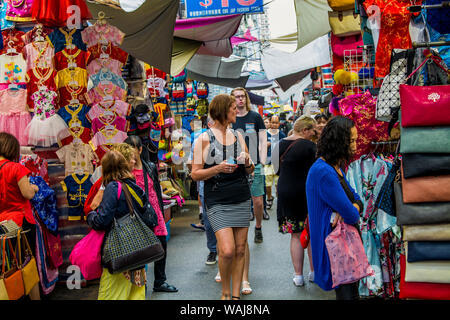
54, 13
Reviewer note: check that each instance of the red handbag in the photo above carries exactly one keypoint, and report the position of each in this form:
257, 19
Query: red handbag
341, 44
424, 106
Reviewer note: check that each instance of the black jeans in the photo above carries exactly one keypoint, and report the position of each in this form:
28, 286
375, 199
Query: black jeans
160, 265
348, 291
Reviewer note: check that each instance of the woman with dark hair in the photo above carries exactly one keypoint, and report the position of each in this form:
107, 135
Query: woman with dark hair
16, 191
331, 199
322, 120
146, 175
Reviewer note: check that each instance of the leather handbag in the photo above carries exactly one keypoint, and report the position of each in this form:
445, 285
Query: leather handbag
341, 44
341, 5
388, 99
424, 106
345, 23
418, 140
430, 232
427, 271
422, 164
28, 265
130, 244
420, 213
428, 251
13, 277
3, 292
426, 189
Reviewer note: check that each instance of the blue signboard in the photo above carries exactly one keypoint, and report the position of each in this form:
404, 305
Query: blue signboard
207, 8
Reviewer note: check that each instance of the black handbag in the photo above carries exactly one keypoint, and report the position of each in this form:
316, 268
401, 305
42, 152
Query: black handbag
130, 244
424, 164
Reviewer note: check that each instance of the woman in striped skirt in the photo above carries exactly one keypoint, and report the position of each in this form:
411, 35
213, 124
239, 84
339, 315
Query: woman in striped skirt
223, 162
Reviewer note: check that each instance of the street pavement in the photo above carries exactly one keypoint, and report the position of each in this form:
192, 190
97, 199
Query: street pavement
271, 270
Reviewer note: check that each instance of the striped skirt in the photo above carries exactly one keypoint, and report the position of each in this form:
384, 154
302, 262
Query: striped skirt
235, 215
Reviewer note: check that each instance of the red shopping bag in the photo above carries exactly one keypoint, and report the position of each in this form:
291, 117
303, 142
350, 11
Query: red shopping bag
347, 257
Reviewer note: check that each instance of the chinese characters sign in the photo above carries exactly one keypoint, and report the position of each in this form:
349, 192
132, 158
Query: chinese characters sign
206, 8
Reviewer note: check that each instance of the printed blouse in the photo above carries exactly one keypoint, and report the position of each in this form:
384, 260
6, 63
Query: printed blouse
108, 91
77, 158
12, 38
13, 69
39, 54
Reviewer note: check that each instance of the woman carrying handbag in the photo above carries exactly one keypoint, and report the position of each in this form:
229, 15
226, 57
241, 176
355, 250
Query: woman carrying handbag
117, 176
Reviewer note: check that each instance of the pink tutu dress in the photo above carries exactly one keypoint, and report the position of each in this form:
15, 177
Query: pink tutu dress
14, 116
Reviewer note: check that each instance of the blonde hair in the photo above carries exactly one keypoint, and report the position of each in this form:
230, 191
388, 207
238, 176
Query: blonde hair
304, 122
125, 149
247, 97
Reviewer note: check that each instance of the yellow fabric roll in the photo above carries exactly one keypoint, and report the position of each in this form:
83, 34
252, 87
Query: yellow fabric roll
431, 232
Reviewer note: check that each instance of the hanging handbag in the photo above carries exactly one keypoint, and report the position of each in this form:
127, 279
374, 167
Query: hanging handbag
348, 259
344, 23
341, 44
3, 291
28, 264
13, 277
341, 5
130, 244
388, 99
423, 106
417, 139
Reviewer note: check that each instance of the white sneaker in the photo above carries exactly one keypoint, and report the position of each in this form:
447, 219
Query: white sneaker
311, 276
298, 281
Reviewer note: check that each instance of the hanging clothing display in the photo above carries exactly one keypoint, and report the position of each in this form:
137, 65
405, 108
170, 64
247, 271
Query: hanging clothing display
13, 68
19, 10
77, 158
14, 116
4, 24
77, 187
65, 38
39, 54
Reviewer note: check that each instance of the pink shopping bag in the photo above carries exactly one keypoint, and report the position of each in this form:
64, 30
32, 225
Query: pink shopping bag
347, 257
87, 255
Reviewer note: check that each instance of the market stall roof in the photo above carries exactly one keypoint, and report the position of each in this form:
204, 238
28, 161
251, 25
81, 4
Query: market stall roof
216, 67
224, 82
258, 81
149, 30
288, 81
214, 33
312, 20
278, 63
295, 90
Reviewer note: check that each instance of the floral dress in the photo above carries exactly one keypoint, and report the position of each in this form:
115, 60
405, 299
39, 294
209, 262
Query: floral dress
366, 177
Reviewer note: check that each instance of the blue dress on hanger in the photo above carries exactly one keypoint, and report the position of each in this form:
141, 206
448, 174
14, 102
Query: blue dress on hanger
44, 203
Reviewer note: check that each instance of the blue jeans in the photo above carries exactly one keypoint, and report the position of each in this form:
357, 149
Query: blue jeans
211, 241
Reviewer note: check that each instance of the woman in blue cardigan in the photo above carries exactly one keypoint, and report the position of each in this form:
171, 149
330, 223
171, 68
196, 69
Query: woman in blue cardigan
330, 198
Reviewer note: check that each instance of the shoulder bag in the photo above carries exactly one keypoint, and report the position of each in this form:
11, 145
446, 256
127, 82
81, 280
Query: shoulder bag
425, 139
130, 244
28, 265
345, 23
13, 277
425, 105
3, 291
340, 5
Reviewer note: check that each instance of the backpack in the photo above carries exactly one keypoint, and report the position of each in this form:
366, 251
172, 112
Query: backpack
178, 91
202, 89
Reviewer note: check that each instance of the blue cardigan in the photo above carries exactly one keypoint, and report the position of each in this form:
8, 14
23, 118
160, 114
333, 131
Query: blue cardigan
325, 195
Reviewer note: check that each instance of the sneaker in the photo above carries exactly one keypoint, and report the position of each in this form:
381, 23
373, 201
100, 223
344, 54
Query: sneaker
211, 258
298, 281
311, 276
258, 236
266, 215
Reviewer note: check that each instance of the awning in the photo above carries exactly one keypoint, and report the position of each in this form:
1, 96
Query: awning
312, 20
224, 82
182, 52
216, 67
256, 99
149, 30
295, 90
258, 81
288, 81
213, 32
278, 63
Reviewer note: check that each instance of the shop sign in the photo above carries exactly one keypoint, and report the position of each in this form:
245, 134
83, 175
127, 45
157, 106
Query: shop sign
207, 8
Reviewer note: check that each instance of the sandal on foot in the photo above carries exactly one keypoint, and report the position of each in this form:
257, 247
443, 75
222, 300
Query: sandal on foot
226, 296
218, 278
235, 298
269, 203
248, 290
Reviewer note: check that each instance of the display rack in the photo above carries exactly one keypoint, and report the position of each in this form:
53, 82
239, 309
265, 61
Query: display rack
354, 61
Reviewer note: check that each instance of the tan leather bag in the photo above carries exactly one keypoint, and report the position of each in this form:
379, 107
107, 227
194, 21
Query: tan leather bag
3, 291
341, 5
29, 267
13, 277
426, 189
344, 23
429, 232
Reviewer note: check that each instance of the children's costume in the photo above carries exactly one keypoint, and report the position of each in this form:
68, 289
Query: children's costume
14, 116
77, 188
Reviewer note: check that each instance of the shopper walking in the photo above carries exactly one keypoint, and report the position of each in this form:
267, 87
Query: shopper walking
328, 194
147, 171
293, 157
221, 159
274, 136
15, 193
129, 285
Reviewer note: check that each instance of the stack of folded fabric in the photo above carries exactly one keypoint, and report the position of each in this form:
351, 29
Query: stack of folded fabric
423, 197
